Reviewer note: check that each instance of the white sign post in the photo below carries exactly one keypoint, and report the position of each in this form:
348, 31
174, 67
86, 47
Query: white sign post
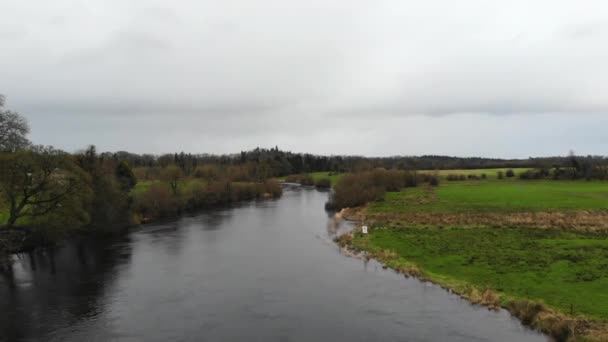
364, 229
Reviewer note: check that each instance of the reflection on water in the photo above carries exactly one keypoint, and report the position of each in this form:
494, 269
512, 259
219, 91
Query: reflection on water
56, 287
263, 271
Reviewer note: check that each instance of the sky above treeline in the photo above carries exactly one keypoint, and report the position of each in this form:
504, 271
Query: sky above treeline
506, 79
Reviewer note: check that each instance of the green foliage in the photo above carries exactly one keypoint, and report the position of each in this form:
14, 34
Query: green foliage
558, 267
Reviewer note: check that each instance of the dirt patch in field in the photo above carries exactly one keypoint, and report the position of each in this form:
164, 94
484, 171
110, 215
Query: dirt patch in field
587, 221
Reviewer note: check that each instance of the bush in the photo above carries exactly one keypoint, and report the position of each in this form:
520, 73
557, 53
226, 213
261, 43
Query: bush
303, 179
323, 183
157, 202
208, 172
355, 190
534, 174
273, 189
510, 173
453, 177
360, 188
500, 175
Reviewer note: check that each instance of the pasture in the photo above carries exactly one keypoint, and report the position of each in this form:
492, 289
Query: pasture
566, 270
497, 196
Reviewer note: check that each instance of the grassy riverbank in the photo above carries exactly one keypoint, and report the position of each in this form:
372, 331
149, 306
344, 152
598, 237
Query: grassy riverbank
537, 245
566, 270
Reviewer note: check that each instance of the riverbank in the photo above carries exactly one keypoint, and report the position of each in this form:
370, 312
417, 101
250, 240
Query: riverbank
551, 279
151, 202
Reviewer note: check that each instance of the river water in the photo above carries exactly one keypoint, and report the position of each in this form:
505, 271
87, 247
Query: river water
262, 271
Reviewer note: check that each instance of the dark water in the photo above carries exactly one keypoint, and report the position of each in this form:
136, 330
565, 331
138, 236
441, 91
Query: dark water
266, 271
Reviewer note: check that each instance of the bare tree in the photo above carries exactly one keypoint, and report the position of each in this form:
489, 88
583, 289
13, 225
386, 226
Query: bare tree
38, 182
13, 130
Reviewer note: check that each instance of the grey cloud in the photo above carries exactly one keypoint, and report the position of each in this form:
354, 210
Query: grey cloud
295, 67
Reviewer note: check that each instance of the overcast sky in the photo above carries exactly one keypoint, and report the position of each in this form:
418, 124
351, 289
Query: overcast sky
467, 78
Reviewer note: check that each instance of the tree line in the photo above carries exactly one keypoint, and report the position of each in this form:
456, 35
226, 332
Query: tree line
273, 162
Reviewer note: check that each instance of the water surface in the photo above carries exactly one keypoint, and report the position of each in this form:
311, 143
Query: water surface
264, 271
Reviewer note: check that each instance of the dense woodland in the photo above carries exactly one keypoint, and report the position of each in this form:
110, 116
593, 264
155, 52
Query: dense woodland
46, 193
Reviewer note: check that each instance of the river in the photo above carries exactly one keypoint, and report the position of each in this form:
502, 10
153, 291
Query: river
261, 271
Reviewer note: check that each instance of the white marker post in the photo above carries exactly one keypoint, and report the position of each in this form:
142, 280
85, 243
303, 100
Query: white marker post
364, 229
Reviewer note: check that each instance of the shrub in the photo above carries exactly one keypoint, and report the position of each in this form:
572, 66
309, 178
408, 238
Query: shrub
303, 179
273, 189
360, 188
510, 173
355, 190
157, 202
209, 172
534, 174
323, 183
500, 175
484, 176
527, 311
453, 177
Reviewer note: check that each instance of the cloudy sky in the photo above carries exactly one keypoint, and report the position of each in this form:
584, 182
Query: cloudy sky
467, 78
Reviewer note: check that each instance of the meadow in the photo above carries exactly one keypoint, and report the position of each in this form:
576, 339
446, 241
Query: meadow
332, 176
543, 242
566, 270
497, 196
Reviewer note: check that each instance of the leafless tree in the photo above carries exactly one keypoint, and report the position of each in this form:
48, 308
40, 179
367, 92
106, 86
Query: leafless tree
13, 130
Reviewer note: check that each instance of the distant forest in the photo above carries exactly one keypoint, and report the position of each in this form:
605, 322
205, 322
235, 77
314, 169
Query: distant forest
280, 163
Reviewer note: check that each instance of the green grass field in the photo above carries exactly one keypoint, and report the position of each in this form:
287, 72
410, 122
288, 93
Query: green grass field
557, 267
497, 196
332, 176
566, 269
